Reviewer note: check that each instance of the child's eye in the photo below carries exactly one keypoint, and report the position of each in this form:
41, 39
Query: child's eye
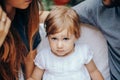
65, 38
54, 38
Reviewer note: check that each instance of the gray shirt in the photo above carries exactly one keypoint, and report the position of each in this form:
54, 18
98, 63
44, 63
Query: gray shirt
108, 21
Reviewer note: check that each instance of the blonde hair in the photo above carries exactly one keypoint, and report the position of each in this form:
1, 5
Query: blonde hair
60, 18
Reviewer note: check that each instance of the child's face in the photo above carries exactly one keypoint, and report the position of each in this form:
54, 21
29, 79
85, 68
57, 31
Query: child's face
62, 43
21, 4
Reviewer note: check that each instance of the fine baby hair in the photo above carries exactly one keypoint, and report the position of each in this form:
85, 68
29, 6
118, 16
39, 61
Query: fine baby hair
60, 18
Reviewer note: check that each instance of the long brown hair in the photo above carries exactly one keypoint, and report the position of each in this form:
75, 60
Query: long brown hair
13, 50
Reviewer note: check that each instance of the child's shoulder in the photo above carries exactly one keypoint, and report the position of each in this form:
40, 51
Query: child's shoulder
82, 48
44, 51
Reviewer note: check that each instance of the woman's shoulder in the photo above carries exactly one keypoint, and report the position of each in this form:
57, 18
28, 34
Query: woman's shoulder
43, 15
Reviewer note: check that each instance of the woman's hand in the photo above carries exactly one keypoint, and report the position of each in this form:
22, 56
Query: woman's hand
4, 25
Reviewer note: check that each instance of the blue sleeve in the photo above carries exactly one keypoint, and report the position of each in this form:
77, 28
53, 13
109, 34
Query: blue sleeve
87, 10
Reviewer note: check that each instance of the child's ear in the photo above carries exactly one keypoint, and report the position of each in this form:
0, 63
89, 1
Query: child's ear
75, 39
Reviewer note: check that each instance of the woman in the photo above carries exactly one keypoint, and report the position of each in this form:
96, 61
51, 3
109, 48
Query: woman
18, 37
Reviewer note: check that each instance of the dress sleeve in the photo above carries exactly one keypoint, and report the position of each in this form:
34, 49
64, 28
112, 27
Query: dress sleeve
39, 60
88, 55
86, 11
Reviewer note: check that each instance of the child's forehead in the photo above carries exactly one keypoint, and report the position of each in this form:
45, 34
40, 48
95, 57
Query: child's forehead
63, 33
65, 29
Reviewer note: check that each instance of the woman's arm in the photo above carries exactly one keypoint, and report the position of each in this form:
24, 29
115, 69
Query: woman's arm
4, 26
93, 71
37, 74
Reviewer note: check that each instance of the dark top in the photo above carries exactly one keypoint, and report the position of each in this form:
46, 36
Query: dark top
20, 24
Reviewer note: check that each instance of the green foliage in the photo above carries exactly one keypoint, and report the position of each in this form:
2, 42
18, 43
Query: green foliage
48, 4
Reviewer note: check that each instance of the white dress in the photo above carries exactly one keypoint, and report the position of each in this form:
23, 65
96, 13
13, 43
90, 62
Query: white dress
70, 67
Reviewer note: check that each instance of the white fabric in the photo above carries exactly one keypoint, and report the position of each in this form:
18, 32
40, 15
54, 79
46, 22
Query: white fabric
93, 37
70, 67
20, 75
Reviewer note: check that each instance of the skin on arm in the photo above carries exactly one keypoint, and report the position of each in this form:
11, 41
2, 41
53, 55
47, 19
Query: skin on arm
4, 26
93, 71
43, 16
29, 64
37, 74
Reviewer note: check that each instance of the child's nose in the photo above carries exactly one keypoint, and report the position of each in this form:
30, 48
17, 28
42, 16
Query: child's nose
60, 44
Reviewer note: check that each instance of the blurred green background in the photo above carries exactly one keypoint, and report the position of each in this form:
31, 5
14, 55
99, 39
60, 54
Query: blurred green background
48, 4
